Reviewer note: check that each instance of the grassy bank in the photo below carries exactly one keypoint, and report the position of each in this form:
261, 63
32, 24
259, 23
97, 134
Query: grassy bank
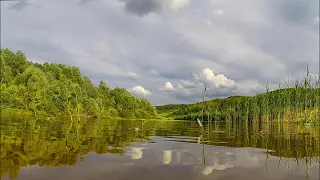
297, 101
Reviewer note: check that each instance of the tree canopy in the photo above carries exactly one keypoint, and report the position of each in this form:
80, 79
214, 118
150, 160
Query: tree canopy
58, 89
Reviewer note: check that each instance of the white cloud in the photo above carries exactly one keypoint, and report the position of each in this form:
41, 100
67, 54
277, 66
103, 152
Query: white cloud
131, 75
169, 86
139, 90
177, 4
207, 76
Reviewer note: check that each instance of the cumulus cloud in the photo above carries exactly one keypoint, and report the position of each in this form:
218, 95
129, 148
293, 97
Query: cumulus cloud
140, 91
144, 7
211, 80
131, 75
168, 86
192, 88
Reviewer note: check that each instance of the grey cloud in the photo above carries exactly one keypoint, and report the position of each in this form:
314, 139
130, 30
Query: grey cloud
291, 41
154, 72
84, 2
188, 84
20, 5
41, 51
196, 96
296, 11
144, 7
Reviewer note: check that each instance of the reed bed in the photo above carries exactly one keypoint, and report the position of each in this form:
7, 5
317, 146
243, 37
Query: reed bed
295, 101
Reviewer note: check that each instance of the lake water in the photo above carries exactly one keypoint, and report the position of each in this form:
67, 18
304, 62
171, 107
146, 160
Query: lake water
97, 149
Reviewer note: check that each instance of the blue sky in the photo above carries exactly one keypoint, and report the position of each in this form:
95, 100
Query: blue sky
164, 50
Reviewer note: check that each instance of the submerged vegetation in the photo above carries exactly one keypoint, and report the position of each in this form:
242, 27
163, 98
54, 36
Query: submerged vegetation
296, 102
56, 89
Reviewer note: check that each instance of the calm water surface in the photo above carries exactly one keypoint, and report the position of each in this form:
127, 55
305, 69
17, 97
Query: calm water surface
118, 150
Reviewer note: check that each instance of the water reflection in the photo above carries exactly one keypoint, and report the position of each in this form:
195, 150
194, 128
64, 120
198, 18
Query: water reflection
178, 149
166, 156
135, 153
215, 166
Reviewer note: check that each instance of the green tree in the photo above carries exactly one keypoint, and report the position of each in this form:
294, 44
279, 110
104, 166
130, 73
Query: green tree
92, 107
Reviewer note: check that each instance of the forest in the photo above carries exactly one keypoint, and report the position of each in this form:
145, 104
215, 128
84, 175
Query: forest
51, 90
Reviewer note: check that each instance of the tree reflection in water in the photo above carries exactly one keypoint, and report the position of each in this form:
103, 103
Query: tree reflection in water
57, 143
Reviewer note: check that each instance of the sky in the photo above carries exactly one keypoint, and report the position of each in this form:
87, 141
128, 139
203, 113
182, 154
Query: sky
167, 51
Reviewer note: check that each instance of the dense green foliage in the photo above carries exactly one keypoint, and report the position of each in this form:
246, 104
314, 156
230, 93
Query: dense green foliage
57, 89
299, 103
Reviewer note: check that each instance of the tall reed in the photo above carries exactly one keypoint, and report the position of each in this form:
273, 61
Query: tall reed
293, 101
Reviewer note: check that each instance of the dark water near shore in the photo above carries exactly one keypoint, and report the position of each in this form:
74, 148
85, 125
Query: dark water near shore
118, 149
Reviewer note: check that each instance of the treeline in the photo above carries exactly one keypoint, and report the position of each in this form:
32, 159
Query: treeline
58, 89
298, 102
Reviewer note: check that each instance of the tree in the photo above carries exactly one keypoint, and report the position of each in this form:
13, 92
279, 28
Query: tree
92, 107
17, 62
5, 71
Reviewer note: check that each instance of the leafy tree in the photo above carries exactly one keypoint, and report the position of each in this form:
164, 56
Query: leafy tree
5, 73
92, 107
